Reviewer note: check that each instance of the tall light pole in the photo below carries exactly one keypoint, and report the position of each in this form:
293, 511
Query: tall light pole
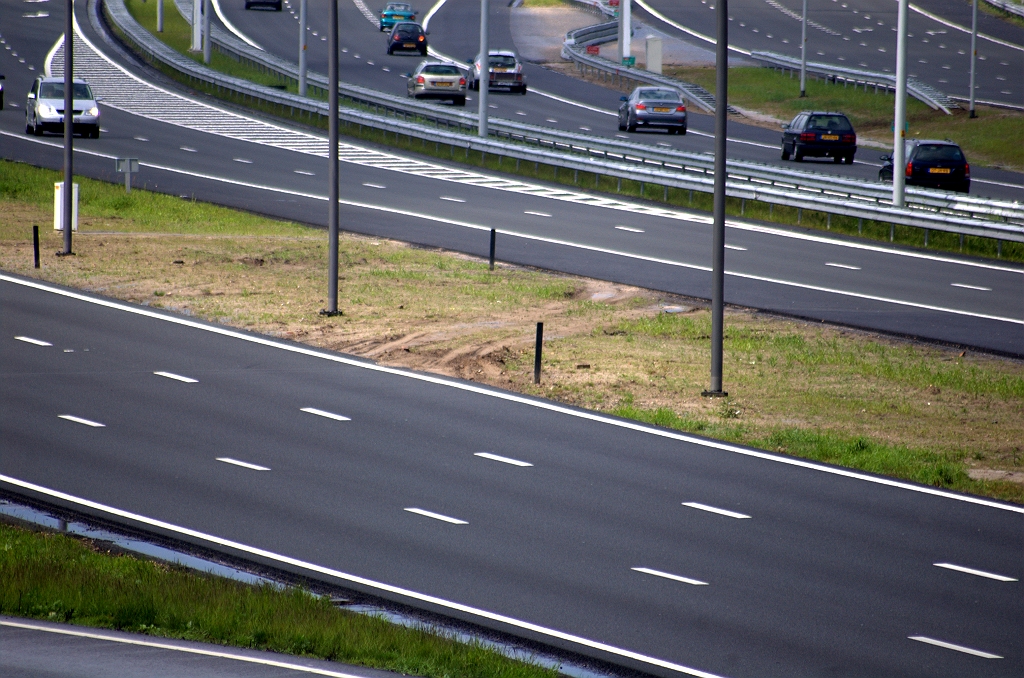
483, 82
900, 123
159, 16
803, 53
974, 51
302, 47
197, 24
207, 43
718, 244
69, 121
332, 168
625, 30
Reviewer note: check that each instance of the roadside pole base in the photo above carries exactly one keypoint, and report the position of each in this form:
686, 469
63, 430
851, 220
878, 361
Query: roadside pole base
330, 314
714, 394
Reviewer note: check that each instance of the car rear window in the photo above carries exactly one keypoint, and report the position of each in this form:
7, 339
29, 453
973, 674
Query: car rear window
502, 61
938, 153
406, 30
834, 123
658, 95
398, 8
55, 90
440, 69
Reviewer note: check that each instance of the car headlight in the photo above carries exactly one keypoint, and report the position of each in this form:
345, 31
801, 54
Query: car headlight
47, 111
94, 111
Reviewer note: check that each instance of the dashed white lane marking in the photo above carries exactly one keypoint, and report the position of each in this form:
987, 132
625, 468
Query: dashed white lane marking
324, 413
437, 516
958, 648
141, 139
220, 654
712, 509
736, 247
37, 342
504, 460
451, 199
969, 570
244, 161
666, 575
537, 214
368, 185
584, 128
630, 229
177, 377
972, 287
846, 266
243, 464
79, 420
551, 120
305, 173
188, 149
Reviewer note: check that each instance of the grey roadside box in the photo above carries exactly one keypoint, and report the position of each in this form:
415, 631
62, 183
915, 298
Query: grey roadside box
654, 54
127, 167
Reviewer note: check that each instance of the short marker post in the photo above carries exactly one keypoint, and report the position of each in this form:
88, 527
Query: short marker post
493, 236
537, 353
35, 244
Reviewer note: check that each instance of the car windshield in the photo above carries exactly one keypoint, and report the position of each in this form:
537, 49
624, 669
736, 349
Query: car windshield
938, 153
658, 95
55, 90
396, 7
833, 123
502, 61
440, 69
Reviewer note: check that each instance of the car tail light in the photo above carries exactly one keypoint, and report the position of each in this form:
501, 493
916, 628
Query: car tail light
519, 77
910, 169
462, 81
641, 107
808, 136
397, 38
421, 38
680, 109
850, 138
420, 79
967, 170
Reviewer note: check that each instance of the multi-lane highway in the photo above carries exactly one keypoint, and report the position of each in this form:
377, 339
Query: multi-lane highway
192, 148
651, 549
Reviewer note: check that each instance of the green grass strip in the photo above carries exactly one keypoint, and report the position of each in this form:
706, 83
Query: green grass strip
59, 578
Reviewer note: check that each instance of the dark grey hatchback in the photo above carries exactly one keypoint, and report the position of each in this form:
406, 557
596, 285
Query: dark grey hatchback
819, 134
932, 164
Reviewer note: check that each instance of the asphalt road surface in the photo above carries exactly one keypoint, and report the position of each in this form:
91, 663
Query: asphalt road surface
647, 548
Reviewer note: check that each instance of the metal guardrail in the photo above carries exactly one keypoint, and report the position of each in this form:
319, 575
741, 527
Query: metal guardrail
925, 93
748, 181
1008, 7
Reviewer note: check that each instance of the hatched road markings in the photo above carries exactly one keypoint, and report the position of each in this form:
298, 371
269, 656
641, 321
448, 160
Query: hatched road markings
504, 460
37, 342
177, 377
666, 575
979, 573
437, 516
324, 413
958, 648
712, 509
243, 464
79, 420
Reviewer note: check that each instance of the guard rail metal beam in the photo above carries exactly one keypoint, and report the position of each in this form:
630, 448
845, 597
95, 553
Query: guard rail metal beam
1008, 7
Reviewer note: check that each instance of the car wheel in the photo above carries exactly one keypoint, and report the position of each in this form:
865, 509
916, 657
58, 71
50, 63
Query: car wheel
630, 125
849, 159
785, 152
681, 130
36, 129
459, 101
798, 155
423, 52
522, 90
838, 159
95, 134
1, 101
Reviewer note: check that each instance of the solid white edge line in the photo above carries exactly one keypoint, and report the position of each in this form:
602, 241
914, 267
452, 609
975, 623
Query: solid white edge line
505, 460
630, 229
537, 214
971, 287
713, 509
736, 247
231, 27
220, 654
324, 413
48, 61
846, 266
295, 562
970, 570
437, 516
684, 29
511, 397
177, 377
451, 199
578, 104
243, 464
951, 646
36, 342
431, 12
964, 29
79, 420
666, 575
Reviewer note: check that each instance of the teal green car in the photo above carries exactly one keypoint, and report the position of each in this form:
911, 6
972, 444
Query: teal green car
394, 13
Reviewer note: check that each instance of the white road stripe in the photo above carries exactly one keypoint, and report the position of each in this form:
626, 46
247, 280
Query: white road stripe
324, 413
451, 199
537, 214
712, 509
368, 185
736, 247
630, 229
437, 516
79, 420
846, 266
221, 654
305, 173
666, 575
244, 161
972, 287
37, 342
177, 377
243, 464
951, 646
506, 460
968, 570
188, 150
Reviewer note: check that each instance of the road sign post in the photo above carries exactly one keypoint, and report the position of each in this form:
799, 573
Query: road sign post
127, 167
718, 244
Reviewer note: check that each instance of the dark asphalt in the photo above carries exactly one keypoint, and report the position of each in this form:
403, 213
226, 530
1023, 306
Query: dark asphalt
830, 575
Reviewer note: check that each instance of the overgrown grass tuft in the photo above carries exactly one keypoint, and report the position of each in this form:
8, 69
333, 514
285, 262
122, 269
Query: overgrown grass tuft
59, 578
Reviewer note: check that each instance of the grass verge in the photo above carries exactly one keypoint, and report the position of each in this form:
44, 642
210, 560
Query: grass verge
59, 578
913, 411
176, 34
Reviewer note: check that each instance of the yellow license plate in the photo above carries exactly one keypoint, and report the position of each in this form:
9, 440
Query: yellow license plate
442, 84
409, 45
830, 137
662, 110
939, 170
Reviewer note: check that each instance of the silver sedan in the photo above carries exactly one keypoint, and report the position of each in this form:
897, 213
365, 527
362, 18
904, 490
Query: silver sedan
44, 109
437, 80
653, 107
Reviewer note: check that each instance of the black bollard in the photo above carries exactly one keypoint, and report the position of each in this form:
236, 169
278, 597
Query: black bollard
35, 244
493, 235
536, 353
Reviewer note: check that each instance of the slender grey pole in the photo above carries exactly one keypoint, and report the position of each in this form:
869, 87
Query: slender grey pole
332, 170
69, 121
485, 69
302, 47
538, 349
159, 16
197, 24
207, 43
625, 9
900, 123
718, 244
974, 51
803, 53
